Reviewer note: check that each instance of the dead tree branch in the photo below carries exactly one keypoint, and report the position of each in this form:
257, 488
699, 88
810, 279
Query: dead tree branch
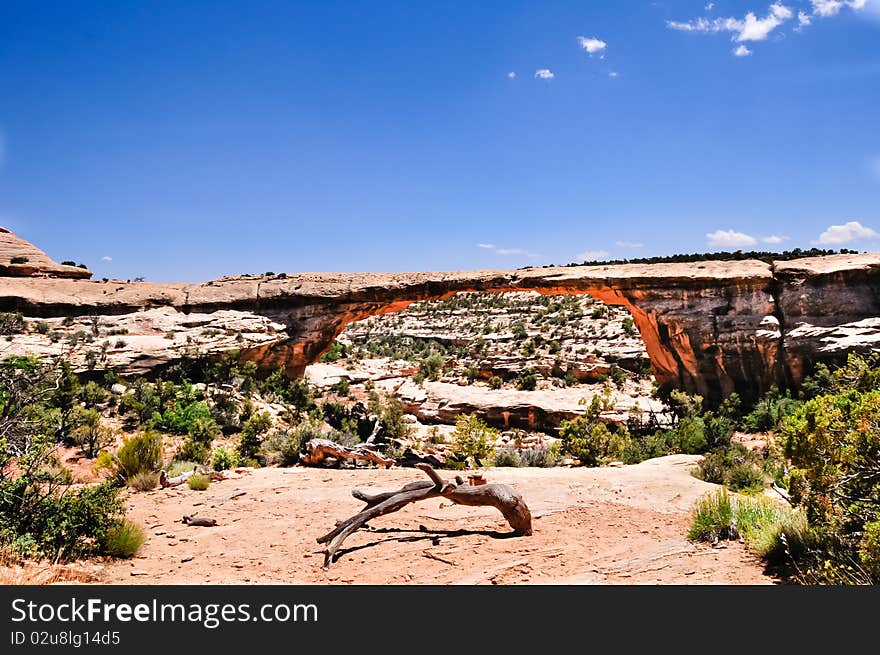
502, 497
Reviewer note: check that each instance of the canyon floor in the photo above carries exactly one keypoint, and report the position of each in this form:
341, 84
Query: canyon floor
608, 525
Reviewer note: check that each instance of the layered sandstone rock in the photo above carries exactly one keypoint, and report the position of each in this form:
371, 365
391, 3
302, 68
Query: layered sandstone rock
705, 325
19, 258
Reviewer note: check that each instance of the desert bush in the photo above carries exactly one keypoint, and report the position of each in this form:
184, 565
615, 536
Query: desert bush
283, 447
252, 435
198, 482
771, 531
124, 539
139, 454
506, 456
734, 467
143, 481
224, 459
713, 518
495, 382
194, 451
769, 411
11, 323
59, 526
473, 440
527, 381
542, 456
90, 434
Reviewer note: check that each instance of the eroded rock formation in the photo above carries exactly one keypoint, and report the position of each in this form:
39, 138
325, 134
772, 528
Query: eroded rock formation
708, 327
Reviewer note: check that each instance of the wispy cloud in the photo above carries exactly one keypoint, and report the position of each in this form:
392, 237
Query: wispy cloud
729, 239
748, 28
804, 20
106, 258
741, 51
592, 45
613, 74
837, 235
508, 252
826, 8
591, 255
629, 244
709, 6
774, 239
544, 74
511, 75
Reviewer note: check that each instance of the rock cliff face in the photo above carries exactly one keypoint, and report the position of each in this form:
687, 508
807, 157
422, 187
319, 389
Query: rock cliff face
708, 327
19, 258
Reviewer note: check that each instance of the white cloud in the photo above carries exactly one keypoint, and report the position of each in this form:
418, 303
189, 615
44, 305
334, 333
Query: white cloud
106, 258
729, 239
748, 28
774, 238
544, 74
628, 244
511, 75
507, 252
613, 74
591, 255
741, 51
837, 235
592, 44
826, 8
710, 6
804, 20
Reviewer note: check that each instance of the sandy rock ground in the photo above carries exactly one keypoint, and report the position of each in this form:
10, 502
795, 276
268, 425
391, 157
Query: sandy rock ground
622, 525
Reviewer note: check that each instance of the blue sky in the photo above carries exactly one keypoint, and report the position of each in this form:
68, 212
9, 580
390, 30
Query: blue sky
182, 140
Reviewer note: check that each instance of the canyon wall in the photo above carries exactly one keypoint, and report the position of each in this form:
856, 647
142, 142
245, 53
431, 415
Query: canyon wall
709, 327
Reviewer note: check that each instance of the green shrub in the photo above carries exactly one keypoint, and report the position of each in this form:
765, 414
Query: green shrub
57, 526
283, 447
540, 456
495, 382
252, 435
143, 481
198, 482
527, 381
224, 459
592, 443
771, 531
335, 352
713, 518
734, 467
139, 454
473, 440
690, 435
507, 456
124, 539
194, 451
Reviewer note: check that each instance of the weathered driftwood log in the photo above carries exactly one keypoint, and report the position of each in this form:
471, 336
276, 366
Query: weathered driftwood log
500, 496
319, 449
